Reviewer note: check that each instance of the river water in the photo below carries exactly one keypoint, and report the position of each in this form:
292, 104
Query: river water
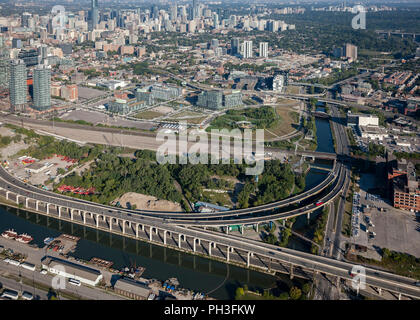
217, 279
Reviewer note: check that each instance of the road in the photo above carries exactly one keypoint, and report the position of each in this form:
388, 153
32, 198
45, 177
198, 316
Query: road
82, 292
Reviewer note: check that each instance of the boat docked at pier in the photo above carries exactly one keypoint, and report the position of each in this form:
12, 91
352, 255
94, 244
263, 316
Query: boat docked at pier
9, 234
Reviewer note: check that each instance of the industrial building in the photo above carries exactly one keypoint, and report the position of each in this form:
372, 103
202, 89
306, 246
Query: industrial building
372, 132
68, 269
404, 186
360, 119
132, 289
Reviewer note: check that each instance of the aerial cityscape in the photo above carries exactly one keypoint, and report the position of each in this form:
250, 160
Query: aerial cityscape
209, 150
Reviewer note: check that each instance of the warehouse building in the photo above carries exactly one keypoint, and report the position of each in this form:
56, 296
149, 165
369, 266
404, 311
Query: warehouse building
132, 289
68, 269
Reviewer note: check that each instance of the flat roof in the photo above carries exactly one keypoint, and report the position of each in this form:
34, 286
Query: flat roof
72, 268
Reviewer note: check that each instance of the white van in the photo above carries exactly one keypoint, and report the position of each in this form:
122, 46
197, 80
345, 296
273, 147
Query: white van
11, 294
74, 282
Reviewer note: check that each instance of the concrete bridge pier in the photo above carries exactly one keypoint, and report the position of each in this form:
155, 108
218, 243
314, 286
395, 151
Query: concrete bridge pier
399, 296
196, 241
150, 233
284, 222
84, 217
48, 208
27, 202
71, 214
242, 229
111, 222
7, 195
59, 212
17, 199
179, 240
211, 246
256, 227
228, 251
164, 236
308, 216
137, 230
248, 258
291, 272
37, 205
123, 226
97, 221
380, 291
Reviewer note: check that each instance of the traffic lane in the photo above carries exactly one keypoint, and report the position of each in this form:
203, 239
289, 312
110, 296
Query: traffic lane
45, 196
82, 291
12, 284
76, 205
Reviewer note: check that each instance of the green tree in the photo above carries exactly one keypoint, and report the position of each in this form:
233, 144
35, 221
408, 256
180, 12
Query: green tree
295, 293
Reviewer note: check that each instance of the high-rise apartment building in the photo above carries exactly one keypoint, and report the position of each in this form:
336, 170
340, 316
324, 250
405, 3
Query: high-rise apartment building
247, 50
17, 85
351, 51
42, 88
235, 45
263, 49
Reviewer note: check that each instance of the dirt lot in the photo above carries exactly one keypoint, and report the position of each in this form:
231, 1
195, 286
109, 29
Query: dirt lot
164, 110
145, 202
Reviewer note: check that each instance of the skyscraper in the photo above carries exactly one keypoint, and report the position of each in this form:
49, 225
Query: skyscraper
155, 12
235, 44
17, 85
263, 49
215, 20
174, 12
94, 15
4, 65
351, 51
247, 50
195, 9
42, 87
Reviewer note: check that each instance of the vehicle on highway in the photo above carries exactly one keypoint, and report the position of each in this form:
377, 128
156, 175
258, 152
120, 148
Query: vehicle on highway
43, 271
319, 203
417, 283
75, 282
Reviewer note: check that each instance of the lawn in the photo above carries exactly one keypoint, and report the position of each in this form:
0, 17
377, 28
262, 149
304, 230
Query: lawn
148, 115
293, 89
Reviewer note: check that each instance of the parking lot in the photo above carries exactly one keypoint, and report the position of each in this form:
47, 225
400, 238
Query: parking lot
376, 224
39, 171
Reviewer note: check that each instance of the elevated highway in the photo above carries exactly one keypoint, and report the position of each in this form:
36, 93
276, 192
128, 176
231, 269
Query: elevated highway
183, 233
224, 247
